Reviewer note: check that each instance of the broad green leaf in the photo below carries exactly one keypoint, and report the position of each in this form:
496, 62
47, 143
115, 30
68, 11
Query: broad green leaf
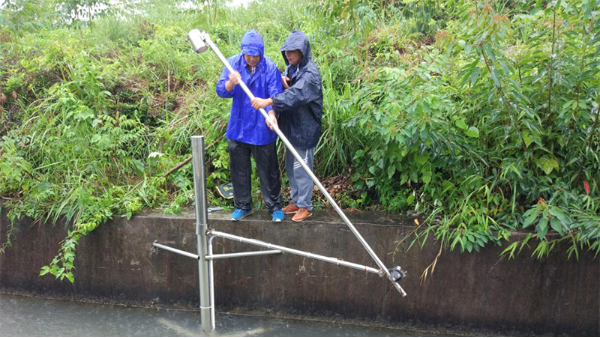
426, 177
461, 124
391, 170
556, 225
547, 163
542, 228
44, 270
494, 75
529, 212
527, 138
529, 220
422, 158
557, 212
472, 132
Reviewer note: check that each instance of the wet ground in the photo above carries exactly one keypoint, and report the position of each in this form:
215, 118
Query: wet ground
27, 316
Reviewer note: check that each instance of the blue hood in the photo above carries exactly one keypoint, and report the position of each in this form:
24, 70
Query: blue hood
297, 40
252, 44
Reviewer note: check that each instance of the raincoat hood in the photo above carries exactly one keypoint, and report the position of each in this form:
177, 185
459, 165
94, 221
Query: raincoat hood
252, 44
297, 40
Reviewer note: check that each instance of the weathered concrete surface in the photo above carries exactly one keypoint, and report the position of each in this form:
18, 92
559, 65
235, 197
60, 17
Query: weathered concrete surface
117, 262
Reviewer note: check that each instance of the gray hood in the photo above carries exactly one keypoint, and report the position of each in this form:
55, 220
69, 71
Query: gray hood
297, 40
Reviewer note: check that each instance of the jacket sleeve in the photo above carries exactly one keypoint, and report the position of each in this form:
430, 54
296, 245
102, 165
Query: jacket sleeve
221, 91
305, 90
274, 86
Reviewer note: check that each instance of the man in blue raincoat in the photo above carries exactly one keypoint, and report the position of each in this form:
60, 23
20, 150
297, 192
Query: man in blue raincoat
247, 132
300, 108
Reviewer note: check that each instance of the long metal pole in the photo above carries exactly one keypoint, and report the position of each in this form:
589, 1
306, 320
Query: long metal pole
212, 283
210, 256
201, 226
290, 148
243, 254
332, 260
177, 251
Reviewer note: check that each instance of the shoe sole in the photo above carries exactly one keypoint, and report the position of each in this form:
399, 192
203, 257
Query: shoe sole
300, 220
290, 212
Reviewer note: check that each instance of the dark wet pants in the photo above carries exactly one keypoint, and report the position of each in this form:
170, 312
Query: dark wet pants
265, 157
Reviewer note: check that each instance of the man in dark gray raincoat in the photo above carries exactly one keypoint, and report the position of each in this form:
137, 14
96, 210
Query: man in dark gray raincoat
299, 109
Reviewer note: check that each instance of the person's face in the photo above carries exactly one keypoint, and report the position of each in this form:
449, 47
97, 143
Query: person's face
293, 56
252, 60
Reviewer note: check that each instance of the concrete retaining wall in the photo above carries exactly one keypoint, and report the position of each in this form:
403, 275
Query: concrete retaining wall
118, 263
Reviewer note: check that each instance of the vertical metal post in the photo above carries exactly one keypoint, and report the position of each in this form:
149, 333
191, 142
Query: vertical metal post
212, 283
201, 226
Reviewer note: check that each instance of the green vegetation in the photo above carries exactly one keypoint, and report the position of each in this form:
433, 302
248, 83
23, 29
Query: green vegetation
482, 116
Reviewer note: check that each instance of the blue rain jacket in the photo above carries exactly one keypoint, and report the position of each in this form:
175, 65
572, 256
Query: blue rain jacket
300, 107
247, 124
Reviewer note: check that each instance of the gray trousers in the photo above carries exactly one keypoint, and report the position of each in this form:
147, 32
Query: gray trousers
300, 182
240, 167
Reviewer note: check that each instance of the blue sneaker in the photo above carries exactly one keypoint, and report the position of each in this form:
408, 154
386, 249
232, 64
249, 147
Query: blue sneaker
238, 214
278, 216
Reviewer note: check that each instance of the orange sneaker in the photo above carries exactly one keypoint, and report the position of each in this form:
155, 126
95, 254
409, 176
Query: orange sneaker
290, 209
301, 215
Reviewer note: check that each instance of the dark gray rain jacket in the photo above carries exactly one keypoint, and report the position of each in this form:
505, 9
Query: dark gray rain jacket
300, 107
